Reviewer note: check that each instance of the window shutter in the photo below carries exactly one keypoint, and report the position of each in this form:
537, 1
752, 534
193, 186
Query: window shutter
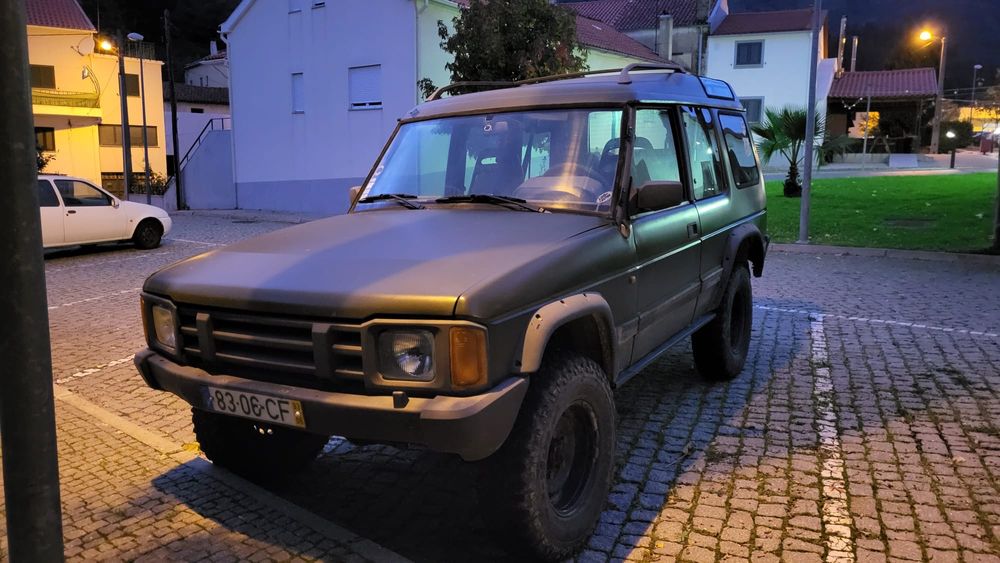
365, 87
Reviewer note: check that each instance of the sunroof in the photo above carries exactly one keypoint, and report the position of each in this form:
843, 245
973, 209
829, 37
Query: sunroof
717, 89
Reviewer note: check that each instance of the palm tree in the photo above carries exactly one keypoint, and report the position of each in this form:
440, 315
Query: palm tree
783, 132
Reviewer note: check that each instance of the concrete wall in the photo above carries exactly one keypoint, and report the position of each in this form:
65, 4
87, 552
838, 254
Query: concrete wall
207, 179
189, 126
285, 160
684, 44
213, 73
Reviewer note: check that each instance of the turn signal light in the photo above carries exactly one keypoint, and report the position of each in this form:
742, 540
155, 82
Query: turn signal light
468, 356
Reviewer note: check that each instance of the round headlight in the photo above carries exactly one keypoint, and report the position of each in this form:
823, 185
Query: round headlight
406, 355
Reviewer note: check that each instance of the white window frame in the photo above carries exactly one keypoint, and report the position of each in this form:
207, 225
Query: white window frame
358, 101
736, 52
749, 117
298, 92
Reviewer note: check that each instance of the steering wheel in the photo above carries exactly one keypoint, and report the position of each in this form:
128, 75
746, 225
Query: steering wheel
574, 169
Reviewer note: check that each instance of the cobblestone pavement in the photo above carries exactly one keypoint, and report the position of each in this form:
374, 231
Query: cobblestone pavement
864, 428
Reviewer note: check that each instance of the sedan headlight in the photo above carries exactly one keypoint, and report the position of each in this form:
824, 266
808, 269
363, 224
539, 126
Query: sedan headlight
164, 326
406, 355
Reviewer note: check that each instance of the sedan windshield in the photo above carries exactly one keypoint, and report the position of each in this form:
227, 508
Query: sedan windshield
551, 159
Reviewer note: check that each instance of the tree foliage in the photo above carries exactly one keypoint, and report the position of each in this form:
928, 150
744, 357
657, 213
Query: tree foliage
783, 132
509, 40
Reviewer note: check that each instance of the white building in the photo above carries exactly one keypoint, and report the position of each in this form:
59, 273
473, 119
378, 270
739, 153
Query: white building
198, 108
765, 56
317, 88
75, 98
211, 70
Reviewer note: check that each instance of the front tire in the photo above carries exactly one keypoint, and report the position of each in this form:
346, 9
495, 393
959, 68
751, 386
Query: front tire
253, 449
148, 234
720, 347
547, 485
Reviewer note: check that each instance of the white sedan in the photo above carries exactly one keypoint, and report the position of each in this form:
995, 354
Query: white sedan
74, 211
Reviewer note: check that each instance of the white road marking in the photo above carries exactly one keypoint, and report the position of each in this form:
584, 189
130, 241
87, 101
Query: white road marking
95, 369
881, 321
98, 298
194, 241
836, 518
104, 262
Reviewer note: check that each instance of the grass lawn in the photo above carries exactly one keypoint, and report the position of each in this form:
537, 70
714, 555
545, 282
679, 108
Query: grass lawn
943, 212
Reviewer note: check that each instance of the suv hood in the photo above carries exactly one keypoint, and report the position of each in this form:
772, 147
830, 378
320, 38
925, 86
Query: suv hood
398, 262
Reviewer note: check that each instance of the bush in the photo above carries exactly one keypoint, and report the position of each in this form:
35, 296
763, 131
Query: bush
157, 183
963, 135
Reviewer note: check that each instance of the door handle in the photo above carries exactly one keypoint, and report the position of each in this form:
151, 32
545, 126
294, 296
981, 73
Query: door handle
692, 230
70, 211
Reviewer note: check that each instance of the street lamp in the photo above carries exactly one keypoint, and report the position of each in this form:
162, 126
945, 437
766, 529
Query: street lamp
107, 46
135, 37
975, 76
951, 135
926, 36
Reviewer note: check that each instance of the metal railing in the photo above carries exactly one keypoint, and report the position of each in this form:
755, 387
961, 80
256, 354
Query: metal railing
140, 49
52, 97
214, 124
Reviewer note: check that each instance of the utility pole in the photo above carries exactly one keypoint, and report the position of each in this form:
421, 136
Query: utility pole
939, 101
996, 214
810, 126
173, 112
27, 412
126, 130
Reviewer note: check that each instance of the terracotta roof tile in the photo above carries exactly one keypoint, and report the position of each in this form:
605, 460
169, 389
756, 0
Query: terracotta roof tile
597, 34
66, 14
197, 94
766, 22
633, 15
903, 83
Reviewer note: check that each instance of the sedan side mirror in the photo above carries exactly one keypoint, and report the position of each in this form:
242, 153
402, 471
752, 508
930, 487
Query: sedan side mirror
659, 195
115, 203
353, 194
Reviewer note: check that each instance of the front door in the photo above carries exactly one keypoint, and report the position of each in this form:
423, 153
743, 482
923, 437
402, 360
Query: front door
51, 214
91, 215
666, 240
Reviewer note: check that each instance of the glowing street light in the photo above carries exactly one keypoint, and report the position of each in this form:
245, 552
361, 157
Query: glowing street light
106, 45
926, 35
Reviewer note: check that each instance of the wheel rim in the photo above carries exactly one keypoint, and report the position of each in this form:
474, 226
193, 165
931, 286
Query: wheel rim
570, 461
737, 321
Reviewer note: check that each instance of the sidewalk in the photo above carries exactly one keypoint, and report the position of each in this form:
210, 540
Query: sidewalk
966, 162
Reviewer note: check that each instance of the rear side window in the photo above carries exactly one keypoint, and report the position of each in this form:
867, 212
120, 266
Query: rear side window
707, 179
46, 195
739, 149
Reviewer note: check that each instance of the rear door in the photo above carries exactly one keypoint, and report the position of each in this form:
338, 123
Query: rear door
51, 213
666, 240
91, 215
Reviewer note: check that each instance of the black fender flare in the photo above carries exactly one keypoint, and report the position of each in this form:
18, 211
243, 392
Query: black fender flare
745, 242
550, 317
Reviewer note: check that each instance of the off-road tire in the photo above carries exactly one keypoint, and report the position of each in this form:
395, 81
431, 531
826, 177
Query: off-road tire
147, 234
720, 347
569, 397
253, 449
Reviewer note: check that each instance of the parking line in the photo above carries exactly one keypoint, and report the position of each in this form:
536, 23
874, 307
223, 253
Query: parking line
98, 298
194, 241
837, 521
95, 369
880, 321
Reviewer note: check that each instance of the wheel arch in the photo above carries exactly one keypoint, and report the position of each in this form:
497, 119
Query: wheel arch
144, 219
582, 323
746, 244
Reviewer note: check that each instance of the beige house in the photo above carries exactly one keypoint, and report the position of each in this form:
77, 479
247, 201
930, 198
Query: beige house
76, 100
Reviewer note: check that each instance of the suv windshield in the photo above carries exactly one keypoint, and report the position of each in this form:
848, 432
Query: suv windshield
556, 159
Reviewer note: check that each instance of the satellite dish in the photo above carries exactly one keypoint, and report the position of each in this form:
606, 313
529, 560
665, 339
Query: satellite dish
86, 46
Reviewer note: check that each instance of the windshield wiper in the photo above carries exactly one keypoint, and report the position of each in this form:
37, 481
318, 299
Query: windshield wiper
403, 199
503, 200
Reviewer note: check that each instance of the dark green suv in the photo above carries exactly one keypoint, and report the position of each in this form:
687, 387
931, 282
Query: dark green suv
514, 256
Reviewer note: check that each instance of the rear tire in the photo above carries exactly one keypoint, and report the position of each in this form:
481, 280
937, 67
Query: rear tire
547, 485
253, 449
720, 347
148, 234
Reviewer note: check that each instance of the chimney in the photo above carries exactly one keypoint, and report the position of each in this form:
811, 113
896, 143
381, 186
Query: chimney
213, 48
841, 42
665, 36
854, 52
701, 10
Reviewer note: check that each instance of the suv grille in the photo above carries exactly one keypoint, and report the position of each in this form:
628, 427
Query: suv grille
271, 348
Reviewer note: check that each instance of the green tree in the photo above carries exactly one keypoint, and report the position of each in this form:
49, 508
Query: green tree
509, 40
783, 132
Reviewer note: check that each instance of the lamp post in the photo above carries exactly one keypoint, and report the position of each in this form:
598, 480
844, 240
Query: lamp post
135, 37
975, 76
926, 36
123, 99
951, 135
810, 125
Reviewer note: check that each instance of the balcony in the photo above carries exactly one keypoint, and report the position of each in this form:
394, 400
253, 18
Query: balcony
47, 101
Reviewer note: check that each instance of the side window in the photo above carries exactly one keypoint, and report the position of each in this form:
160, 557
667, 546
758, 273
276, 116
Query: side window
46, 197
739, 149
80, 194
654, 156
703, 153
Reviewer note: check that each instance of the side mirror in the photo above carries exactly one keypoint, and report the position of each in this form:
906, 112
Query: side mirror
353, 194
115, 203
659, 195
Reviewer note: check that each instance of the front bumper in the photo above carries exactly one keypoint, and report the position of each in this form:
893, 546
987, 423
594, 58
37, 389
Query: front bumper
473, 427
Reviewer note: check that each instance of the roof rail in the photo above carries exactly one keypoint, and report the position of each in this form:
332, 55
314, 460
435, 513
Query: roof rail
624, 78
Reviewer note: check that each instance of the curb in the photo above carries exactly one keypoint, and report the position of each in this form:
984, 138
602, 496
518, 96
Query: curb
253, 215
925, 255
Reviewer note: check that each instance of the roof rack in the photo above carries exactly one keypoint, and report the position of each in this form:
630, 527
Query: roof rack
623, 78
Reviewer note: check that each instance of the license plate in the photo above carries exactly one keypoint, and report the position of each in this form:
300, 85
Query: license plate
257, 407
